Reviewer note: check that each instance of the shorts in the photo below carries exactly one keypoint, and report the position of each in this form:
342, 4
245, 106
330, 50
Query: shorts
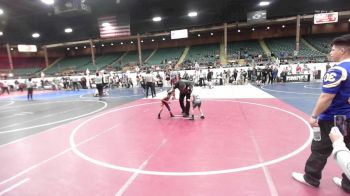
197, 105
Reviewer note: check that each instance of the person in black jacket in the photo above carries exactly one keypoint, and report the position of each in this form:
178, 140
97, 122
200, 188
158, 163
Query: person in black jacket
185, 87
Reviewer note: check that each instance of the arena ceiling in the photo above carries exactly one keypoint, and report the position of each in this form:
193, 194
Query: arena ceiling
21, 18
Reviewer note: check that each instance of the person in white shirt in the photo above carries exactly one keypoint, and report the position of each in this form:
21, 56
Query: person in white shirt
30, 86
5, 88
99, 84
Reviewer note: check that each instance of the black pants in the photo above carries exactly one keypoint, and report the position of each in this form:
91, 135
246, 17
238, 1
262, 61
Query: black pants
270, 79
320, 151
153, 89
30, 93
201, 82
99, 89
75, 86
149, 86
185, 109
284, 78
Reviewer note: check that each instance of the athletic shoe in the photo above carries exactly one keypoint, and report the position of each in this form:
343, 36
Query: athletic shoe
300, 178
202, 117
337, 181
172, 115
185, 115
158, 116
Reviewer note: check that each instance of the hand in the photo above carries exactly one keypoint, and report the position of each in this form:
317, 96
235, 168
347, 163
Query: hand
335, 134
313, 122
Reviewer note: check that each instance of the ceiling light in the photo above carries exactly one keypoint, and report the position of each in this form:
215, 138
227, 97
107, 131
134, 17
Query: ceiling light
152, 40
76, 48
157, 19
93, 46
141, 41
84, 46
211, 34
283, 26
68, 48
48, 2
1, 33
106, 24
253, 29
1, 11
112, 44
35, 35
11, 48
121, 43
163, 38
131, 42
192, 14
349, 20
199, 35
267, 28
264, 3
68, 30
238, 30
102, 45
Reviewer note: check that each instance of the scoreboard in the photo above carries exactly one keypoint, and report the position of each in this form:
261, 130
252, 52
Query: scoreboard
324, 18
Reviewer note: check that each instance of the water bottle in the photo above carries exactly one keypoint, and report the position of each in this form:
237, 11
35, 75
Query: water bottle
317, 134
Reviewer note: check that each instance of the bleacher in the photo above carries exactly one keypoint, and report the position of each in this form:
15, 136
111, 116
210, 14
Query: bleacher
26, 72
321, 42
203, 54
163, 55
67, 64
244, 49
132, 57
101, 62
284, 49
27, 66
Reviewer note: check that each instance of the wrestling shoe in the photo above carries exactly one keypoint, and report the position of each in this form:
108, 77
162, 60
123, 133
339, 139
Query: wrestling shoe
337, 181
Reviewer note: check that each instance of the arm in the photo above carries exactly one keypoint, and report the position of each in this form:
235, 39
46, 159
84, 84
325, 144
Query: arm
341, 153
190, 99
324, 101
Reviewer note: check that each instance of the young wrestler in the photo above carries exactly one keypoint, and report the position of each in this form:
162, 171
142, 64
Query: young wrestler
166, 101
196, 102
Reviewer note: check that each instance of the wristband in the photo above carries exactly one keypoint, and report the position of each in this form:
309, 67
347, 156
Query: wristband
314, 117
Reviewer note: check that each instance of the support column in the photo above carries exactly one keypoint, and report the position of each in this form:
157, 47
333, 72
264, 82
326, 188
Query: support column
225, 40
46, 57
92, 52
297, 40
139, 48
9, 56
